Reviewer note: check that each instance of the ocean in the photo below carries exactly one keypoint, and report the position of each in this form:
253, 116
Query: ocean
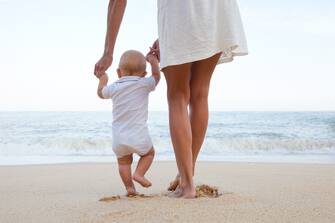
67, 137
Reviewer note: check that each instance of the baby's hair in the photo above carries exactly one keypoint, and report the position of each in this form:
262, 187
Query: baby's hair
132, 62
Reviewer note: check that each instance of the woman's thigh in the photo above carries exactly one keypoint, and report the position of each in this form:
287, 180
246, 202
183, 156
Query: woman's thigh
201, 73
178, 82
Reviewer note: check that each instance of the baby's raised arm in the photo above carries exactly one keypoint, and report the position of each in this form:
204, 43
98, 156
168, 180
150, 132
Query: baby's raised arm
153, 60
103, 80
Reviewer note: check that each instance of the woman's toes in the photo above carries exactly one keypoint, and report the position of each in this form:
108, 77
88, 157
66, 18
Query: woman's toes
177, 193
189, 193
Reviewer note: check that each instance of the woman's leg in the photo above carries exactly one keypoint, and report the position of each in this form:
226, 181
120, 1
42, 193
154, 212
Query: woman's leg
178, 93
201, 73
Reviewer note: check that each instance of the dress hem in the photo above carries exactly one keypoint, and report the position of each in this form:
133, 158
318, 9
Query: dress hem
227, 56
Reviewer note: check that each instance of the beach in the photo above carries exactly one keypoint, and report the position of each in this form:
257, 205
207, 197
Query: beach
250, 192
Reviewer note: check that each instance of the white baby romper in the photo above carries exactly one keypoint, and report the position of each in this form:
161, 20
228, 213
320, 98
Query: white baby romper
192, 30
130, 96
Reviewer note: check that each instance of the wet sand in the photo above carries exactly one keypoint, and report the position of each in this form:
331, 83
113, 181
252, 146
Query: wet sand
247, 192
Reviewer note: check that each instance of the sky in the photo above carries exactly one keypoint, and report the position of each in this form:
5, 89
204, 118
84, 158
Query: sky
48, 49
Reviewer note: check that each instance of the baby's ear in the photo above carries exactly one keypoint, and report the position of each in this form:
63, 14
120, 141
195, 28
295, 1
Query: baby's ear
118, 72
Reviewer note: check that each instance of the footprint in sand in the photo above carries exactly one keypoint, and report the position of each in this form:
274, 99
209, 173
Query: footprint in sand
109, 199
118, 197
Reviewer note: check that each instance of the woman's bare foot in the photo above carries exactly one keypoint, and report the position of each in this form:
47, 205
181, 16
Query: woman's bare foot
131, 192
141, 180
177, 193
174, 184
189, 193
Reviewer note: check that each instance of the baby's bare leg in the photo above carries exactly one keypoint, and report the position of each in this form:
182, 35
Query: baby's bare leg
142, 167
125, 173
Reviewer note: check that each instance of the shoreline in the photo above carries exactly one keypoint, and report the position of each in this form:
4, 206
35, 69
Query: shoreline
275, 158
165, 161
252, 192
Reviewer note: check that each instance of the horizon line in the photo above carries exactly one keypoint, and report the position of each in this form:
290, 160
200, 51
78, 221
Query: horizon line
8, 111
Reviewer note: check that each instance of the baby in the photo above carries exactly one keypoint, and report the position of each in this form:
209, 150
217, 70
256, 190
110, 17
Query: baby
130, 96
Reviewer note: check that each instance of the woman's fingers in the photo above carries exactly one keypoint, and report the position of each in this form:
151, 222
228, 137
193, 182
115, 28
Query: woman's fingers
154, 51
97, 70
155, 45
102, 65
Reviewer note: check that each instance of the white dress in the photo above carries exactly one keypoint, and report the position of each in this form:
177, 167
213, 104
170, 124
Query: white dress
192, 30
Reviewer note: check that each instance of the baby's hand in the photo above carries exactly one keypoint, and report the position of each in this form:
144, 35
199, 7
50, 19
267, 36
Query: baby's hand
104, 77
152, 58
103, 81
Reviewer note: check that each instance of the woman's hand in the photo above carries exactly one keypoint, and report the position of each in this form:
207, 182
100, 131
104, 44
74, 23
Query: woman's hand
102, 65
155, 49
116, 10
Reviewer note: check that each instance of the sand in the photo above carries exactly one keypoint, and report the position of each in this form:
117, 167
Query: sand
249, 193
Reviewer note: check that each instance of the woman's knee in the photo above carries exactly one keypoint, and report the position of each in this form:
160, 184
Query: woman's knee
199, 95
201, 74
178, 96
178, 84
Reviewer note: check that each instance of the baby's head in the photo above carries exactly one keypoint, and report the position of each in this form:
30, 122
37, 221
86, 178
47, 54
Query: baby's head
132, 63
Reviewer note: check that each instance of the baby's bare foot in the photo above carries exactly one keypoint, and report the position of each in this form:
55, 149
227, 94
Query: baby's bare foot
141, 180
131, 191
